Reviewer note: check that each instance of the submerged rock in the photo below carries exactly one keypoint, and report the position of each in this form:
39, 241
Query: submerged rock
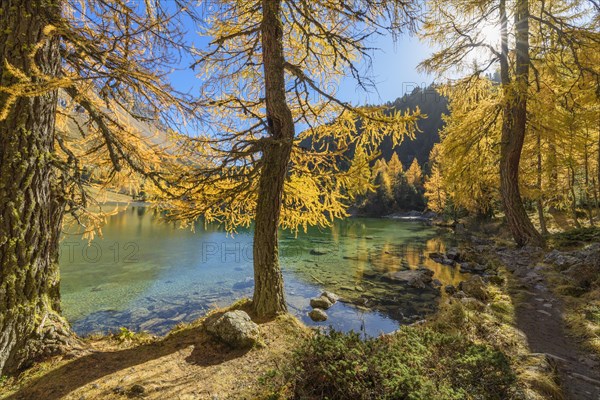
234, 328
245, 284
318, 315
319, 251
320, 302
417, 278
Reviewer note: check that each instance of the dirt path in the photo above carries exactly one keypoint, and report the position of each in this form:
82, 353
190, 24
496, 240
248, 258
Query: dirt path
186, 365
539, 316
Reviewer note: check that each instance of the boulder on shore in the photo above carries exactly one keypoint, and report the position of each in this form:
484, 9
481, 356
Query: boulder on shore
235, 328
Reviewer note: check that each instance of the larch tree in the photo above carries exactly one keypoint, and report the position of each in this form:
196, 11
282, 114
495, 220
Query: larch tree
395, 166
463, 29
83, 88
280, 149
435, 189
414, 175
469, 148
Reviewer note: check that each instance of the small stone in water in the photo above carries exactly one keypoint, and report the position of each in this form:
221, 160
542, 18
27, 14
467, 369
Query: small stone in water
317, 315
321, 302
332, 297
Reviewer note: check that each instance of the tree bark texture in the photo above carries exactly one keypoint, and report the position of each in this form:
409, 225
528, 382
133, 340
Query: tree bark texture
30, 207
514, 126
269, 299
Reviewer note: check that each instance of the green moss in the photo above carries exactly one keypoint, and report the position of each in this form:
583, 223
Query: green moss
575, 238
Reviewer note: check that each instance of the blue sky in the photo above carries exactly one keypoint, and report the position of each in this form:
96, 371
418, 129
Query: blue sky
393, 70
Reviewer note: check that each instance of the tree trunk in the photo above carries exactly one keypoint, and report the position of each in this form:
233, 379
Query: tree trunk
597, 186
269, 298
30, 210
573, 196
540, 199
514, 125
588, 201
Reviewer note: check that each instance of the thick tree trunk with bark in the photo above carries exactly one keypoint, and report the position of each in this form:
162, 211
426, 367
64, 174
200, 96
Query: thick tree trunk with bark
30, 210
514, 125
269, 296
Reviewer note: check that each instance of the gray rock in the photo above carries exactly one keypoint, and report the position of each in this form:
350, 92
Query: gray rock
472, 267
320, 302
317, 315
332, 297
474, 287
417, 278
453, 254
441, 258
234, 328
560, 259
450, 289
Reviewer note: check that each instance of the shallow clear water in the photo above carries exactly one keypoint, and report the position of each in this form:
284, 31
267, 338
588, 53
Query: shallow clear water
146, 274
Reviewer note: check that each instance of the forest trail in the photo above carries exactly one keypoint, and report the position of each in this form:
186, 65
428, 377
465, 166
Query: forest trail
539, 316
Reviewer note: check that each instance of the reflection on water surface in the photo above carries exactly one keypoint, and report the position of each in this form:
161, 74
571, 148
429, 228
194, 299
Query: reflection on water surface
146, 274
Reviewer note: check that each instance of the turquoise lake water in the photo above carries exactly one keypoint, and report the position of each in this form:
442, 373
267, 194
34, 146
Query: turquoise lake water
146, 274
